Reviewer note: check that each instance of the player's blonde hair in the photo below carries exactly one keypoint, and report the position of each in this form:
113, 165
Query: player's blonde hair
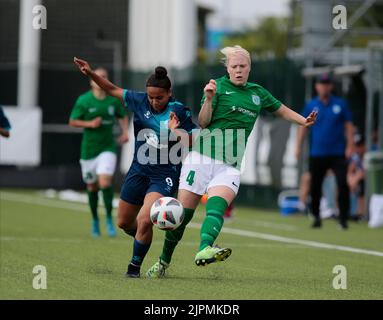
230, 51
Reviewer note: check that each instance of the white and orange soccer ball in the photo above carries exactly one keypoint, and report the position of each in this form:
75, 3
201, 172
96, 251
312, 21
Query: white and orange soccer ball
167, 213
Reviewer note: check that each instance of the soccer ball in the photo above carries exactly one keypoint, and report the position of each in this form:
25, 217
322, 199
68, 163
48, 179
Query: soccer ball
167, 213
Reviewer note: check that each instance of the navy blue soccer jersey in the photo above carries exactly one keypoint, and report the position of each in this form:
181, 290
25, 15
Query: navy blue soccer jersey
153, 140
327, 135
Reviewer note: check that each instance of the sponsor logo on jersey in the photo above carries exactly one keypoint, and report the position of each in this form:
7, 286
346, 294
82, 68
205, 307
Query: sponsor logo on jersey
230, 92
336, 108
256, 99
111, 110
244, 111
92, 110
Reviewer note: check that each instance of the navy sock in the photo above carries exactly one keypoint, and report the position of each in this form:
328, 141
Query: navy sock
139, 252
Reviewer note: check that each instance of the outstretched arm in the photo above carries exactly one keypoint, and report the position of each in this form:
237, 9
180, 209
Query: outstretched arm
105, 84
291, 115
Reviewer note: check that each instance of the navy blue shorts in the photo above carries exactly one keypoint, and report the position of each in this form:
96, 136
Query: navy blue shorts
142, 179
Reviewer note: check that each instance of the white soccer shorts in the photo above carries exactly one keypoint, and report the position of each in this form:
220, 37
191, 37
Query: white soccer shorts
199, 173
103, 164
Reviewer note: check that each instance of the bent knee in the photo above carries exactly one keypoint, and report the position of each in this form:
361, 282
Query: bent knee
144, 223
126, 225
93, 187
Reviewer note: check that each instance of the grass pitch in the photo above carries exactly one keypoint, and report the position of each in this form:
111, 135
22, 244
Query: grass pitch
274, 257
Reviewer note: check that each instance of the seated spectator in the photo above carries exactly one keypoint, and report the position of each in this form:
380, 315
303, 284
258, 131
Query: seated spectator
355, 177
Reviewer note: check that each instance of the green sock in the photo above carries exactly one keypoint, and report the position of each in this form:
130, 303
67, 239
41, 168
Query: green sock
213, 222
107, 194
93, 203
173, 237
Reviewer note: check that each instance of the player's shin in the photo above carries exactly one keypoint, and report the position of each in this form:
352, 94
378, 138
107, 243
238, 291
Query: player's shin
173, 237
213, 222
140, 250
93, 203
107, 194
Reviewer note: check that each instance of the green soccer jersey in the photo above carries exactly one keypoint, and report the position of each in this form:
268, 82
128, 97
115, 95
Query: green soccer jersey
97, 140
235, 110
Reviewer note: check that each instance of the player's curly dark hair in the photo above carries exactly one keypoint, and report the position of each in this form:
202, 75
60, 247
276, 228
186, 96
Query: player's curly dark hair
159, 79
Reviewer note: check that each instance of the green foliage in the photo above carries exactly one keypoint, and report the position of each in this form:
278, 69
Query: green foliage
269, 38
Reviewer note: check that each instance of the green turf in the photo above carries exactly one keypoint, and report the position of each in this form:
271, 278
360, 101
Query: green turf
56, 234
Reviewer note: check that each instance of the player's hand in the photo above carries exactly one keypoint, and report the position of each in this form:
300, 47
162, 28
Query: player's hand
210, 89
96, 122
123, 138
349, 151
310, 120
82, 65
174, 122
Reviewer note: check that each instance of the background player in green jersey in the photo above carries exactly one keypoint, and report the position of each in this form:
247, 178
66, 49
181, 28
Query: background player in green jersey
95, 111
230, 107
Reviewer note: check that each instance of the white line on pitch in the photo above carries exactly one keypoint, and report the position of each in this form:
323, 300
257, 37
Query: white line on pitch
122, 240
265, 236
239, 232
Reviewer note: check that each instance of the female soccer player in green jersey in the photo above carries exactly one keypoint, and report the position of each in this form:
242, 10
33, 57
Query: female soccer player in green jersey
95, 111
230, 107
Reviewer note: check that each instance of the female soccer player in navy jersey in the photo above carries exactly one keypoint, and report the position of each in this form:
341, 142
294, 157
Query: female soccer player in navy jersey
155, 169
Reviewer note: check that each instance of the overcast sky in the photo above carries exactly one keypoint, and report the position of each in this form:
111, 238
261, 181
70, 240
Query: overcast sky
242, 13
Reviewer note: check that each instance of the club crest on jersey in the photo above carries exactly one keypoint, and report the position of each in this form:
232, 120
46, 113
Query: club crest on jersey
256, 99
111, 110
336, 108
147, 114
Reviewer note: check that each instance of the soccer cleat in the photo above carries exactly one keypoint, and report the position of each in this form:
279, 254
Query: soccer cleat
133, 271
157, 270
110, 228
342, 225
211, 254
96, 229
317, 223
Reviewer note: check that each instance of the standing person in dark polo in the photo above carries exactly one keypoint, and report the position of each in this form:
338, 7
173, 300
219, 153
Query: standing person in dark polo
331, 144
